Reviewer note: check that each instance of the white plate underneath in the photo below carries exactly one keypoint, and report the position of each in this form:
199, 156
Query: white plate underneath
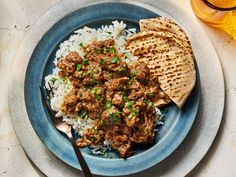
201, 135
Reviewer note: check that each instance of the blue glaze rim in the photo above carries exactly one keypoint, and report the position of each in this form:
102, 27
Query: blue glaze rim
172, 133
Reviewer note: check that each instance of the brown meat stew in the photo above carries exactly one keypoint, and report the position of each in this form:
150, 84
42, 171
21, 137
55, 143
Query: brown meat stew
115, 94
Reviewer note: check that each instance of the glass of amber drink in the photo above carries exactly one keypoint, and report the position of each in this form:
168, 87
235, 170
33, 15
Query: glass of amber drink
217, 13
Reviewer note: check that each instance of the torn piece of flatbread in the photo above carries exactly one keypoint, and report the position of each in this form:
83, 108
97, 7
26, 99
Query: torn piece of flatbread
168, 59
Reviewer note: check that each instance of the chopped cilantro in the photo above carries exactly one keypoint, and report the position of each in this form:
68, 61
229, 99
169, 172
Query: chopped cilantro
109, 111
81, 44
97, 89
94, 81
112, 50
78, 67
96, 51
83, 74
93, 91
94, 138
122, 70
125, 98
95, 131
85, 62
114, 59
102, 61
145, 100
129, 104
99, 97
82, 114
133, 113
108, 104
103, 51
150, 104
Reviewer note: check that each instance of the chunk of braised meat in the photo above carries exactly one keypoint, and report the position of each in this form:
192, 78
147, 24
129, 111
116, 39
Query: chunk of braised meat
118, 67
140, 72
97, 50
155, 94
74, 57
117, 84
92, 100
135, 94
134, 85
118, 99
68, 64
104, 53
119, 135
92, 74
91, 136
110, 117
70, 103
143, 132
130, 113
122, 145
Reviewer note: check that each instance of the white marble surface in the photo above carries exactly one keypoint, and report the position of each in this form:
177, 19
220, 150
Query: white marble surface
16, 18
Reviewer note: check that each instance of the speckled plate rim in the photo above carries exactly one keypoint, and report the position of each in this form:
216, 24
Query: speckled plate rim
209, 91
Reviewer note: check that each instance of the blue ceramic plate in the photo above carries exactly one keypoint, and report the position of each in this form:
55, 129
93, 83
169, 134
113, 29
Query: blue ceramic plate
177, 122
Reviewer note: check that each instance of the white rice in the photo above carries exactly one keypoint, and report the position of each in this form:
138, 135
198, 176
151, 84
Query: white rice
60, 86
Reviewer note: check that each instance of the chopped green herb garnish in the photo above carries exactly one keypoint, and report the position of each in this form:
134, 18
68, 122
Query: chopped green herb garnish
102, 61
108, 32
78, 67
133, 113
96, 51
114, 59
125, 98
165, 110
94, 81
85, 62
109, 111
108, 104
150, 104
95, 131
81, 44
80, 94
99, 97
145, 100
93, 91
97, 89
82, 114
128, 104
112, 50
83, 74
103, 51
94, 138
122, 70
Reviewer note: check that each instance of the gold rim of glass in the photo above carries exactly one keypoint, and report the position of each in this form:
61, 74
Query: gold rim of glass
218, 8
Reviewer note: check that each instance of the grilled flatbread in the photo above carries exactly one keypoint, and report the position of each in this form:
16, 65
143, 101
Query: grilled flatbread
167, 26
168, 60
